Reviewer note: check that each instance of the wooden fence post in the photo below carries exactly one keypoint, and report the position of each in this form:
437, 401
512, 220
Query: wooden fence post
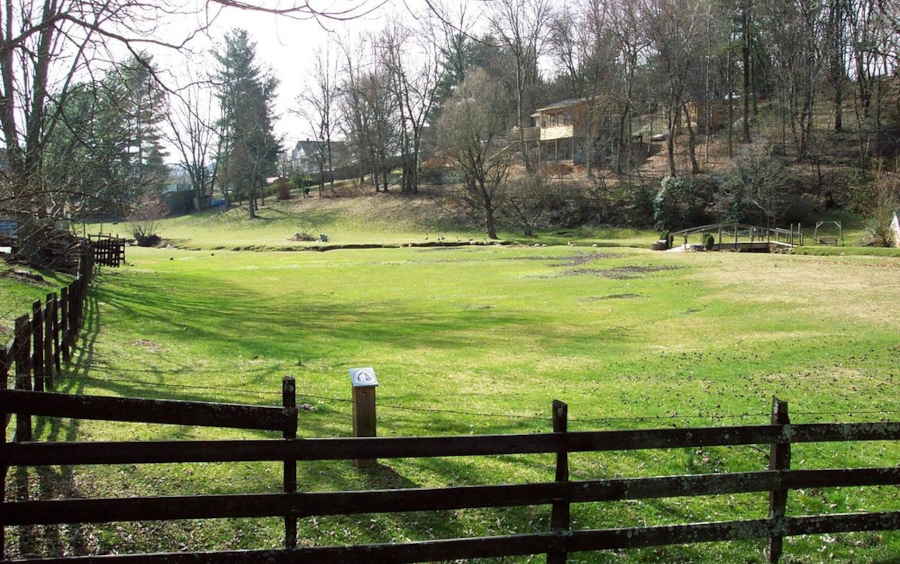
37, 333
5, 364
289, 401
48, 340
779, 459
560, 522
22, 354
64, 324
57, 363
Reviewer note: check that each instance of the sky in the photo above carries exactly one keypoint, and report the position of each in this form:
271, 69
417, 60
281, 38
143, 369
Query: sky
286, 47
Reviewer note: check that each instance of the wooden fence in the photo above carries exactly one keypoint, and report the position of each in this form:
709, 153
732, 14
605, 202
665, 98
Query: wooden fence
45, 339
559, 493
108, 250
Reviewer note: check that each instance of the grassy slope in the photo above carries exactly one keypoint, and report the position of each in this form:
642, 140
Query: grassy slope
480, 340
17, 293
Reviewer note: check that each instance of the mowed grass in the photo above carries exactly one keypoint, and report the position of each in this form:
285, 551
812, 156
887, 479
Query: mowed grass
478, 340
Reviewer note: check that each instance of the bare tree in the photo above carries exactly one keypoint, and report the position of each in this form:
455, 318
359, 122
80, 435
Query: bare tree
193, 135
519, 26
369, 110
318, 107
470, 125
414, 70
796, 47
677, 30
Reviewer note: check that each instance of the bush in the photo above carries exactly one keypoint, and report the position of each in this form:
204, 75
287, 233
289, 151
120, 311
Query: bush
709, 241
283, 189
633, 206
683, 203
758, 191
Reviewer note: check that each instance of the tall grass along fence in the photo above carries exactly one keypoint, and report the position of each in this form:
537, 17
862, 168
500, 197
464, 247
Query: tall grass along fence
559, 492
45, 339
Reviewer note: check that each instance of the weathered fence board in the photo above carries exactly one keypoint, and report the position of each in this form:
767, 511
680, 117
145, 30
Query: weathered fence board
431, 447
170, 412
318, 504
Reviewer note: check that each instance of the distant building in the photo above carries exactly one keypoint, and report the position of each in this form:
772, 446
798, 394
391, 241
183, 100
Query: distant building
562, 129
178, 180
305, 156
895, 228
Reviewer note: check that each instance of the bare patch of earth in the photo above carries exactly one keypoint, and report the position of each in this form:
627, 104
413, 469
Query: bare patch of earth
620, 272
151, 345
25, 277
612, 297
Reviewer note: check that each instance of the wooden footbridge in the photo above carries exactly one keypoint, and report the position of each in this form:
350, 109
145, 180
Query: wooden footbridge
742, 238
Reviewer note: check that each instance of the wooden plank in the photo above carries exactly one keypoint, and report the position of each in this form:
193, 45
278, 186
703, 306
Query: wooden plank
392, 553
429, 447
171, 412
309, 504
840, 432
779, 461
6, 361
47, 348
64, 319
22, 356
289, 401
58, 512
560, 520
37, 334
508, 545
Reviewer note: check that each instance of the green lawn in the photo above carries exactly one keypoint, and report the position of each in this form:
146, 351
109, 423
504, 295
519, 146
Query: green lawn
479, 340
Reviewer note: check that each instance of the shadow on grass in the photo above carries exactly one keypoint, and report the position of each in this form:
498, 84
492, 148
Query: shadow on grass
54, 482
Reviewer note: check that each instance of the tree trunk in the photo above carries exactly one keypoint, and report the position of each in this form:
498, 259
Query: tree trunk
672, 119
745, 61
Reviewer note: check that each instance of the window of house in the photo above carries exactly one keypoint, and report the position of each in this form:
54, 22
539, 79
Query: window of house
569, 118
553, 120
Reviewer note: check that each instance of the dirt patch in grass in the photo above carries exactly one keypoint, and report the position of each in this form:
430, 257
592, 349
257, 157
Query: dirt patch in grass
620, 272
25, 277
612, 297
578, 260
148, 344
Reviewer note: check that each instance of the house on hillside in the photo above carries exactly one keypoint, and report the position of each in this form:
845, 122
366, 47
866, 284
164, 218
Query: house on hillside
565, 129
306, 156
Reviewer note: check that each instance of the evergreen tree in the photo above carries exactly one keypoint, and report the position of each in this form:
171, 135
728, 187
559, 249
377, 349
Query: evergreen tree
248, 150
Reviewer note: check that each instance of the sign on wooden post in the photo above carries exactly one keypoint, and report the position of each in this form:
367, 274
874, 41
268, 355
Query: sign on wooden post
364, 383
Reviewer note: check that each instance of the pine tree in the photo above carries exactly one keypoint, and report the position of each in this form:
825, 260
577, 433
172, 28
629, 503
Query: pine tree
249, 149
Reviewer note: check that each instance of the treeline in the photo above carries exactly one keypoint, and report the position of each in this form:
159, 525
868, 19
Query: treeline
445, 87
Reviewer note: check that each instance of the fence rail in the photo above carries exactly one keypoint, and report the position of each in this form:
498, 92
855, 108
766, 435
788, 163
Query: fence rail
559, 493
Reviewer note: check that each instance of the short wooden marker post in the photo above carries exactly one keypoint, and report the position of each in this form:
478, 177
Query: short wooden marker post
364, 383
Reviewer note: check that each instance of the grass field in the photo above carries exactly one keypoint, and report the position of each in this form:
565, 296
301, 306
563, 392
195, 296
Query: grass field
479, 340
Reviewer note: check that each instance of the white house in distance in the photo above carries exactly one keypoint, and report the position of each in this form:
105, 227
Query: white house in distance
306, 154
895, 228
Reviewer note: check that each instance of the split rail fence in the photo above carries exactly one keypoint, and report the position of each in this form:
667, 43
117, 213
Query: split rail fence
558, 492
